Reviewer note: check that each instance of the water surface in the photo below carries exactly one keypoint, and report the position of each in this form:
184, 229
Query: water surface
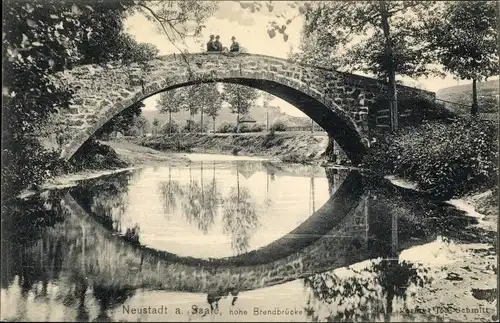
218, 239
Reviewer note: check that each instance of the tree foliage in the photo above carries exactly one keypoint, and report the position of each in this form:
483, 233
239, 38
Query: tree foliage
465, 37
240, 99
171, 102
210, 100
122, 122
41, 37
352, 32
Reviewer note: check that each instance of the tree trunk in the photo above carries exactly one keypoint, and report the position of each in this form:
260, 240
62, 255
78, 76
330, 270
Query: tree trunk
267, 116
169, 122
238, 111
238, 122
190, 120
393, 93
214, 123
330, 150
474, 108
201, 121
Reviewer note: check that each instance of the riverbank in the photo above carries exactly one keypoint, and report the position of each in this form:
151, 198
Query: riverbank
466, 266
298, 148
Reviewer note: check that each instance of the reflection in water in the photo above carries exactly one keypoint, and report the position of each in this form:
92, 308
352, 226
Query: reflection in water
107, 200
200, 202
64, 265
224, 204
240, 218
171, 193
366, 293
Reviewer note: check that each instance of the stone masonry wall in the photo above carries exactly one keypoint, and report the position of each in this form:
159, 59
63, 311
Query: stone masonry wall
101, 92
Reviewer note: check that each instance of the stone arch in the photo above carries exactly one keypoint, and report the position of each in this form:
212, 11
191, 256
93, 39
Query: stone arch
333, 99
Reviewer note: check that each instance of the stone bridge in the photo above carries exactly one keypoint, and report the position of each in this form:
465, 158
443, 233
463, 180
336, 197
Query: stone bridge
337, 101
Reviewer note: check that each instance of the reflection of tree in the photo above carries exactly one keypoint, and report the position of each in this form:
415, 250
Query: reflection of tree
170, 191
366, 293
106, 199
239, 216
108, 298
201, 201
23, 225
312, 204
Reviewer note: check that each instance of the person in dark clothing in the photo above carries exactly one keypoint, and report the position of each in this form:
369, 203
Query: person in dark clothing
235, 47
210, 44
217, 44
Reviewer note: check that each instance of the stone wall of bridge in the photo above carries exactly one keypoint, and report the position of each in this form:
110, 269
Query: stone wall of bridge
338, 102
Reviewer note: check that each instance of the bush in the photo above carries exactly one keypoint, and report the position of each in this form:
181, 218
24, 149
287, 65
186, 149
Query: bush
94, 155
278, 126
192, 126
225, 128
443, 159
244, 128
170, 127
295, 158
253, 128
272, 140
257, 128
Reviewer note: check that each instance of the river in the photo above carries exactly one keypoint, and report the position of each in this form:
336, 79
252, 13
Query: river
237, 240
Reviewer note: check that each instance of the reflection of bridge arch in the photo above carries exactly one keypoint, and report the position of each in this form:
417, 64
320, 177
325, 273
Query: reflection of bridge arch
323, 241
337, 101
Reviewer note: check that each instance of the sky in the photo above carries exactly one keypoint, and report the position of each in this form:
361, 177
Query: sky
250, 29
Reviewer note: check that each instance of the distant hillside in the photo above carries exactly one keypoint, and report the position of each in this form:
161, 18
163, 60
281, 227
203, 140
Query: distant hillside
459, 98
454, 93
258, 113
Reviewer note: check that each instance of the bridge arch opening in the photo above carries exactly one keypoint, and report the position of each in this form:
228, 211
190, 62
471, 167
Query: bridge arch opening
335, 121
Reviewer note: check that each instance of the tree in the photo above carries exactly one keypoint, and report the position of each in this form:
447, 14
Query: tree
464, 35
122, 122
139, 126
171, 102
266, 99
390, 46
369, 36
210, 100
155, 124
39, 38
240, 99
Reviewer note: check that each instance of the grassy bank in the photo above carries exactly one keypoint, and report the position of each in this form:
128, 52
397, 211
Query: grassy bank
300, 148
446, 159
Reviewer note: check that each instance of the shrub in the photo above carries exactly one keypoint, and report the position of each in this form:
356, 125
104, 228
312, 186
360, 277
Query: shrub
94, 155
257, 128
192, 126
443, 159
272, 140
170, 127
235, 150
225, 128
278, 126
244, 128
295, 158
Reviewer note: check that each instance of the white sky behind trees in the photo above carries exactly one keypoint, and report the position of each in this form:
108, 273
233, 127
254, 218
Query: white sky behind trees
250, 30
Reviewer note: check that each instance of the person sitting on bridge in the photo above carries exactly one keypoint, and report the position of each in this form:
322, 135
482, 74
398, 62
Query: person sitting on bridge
235, 47
217, 44
210, 44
